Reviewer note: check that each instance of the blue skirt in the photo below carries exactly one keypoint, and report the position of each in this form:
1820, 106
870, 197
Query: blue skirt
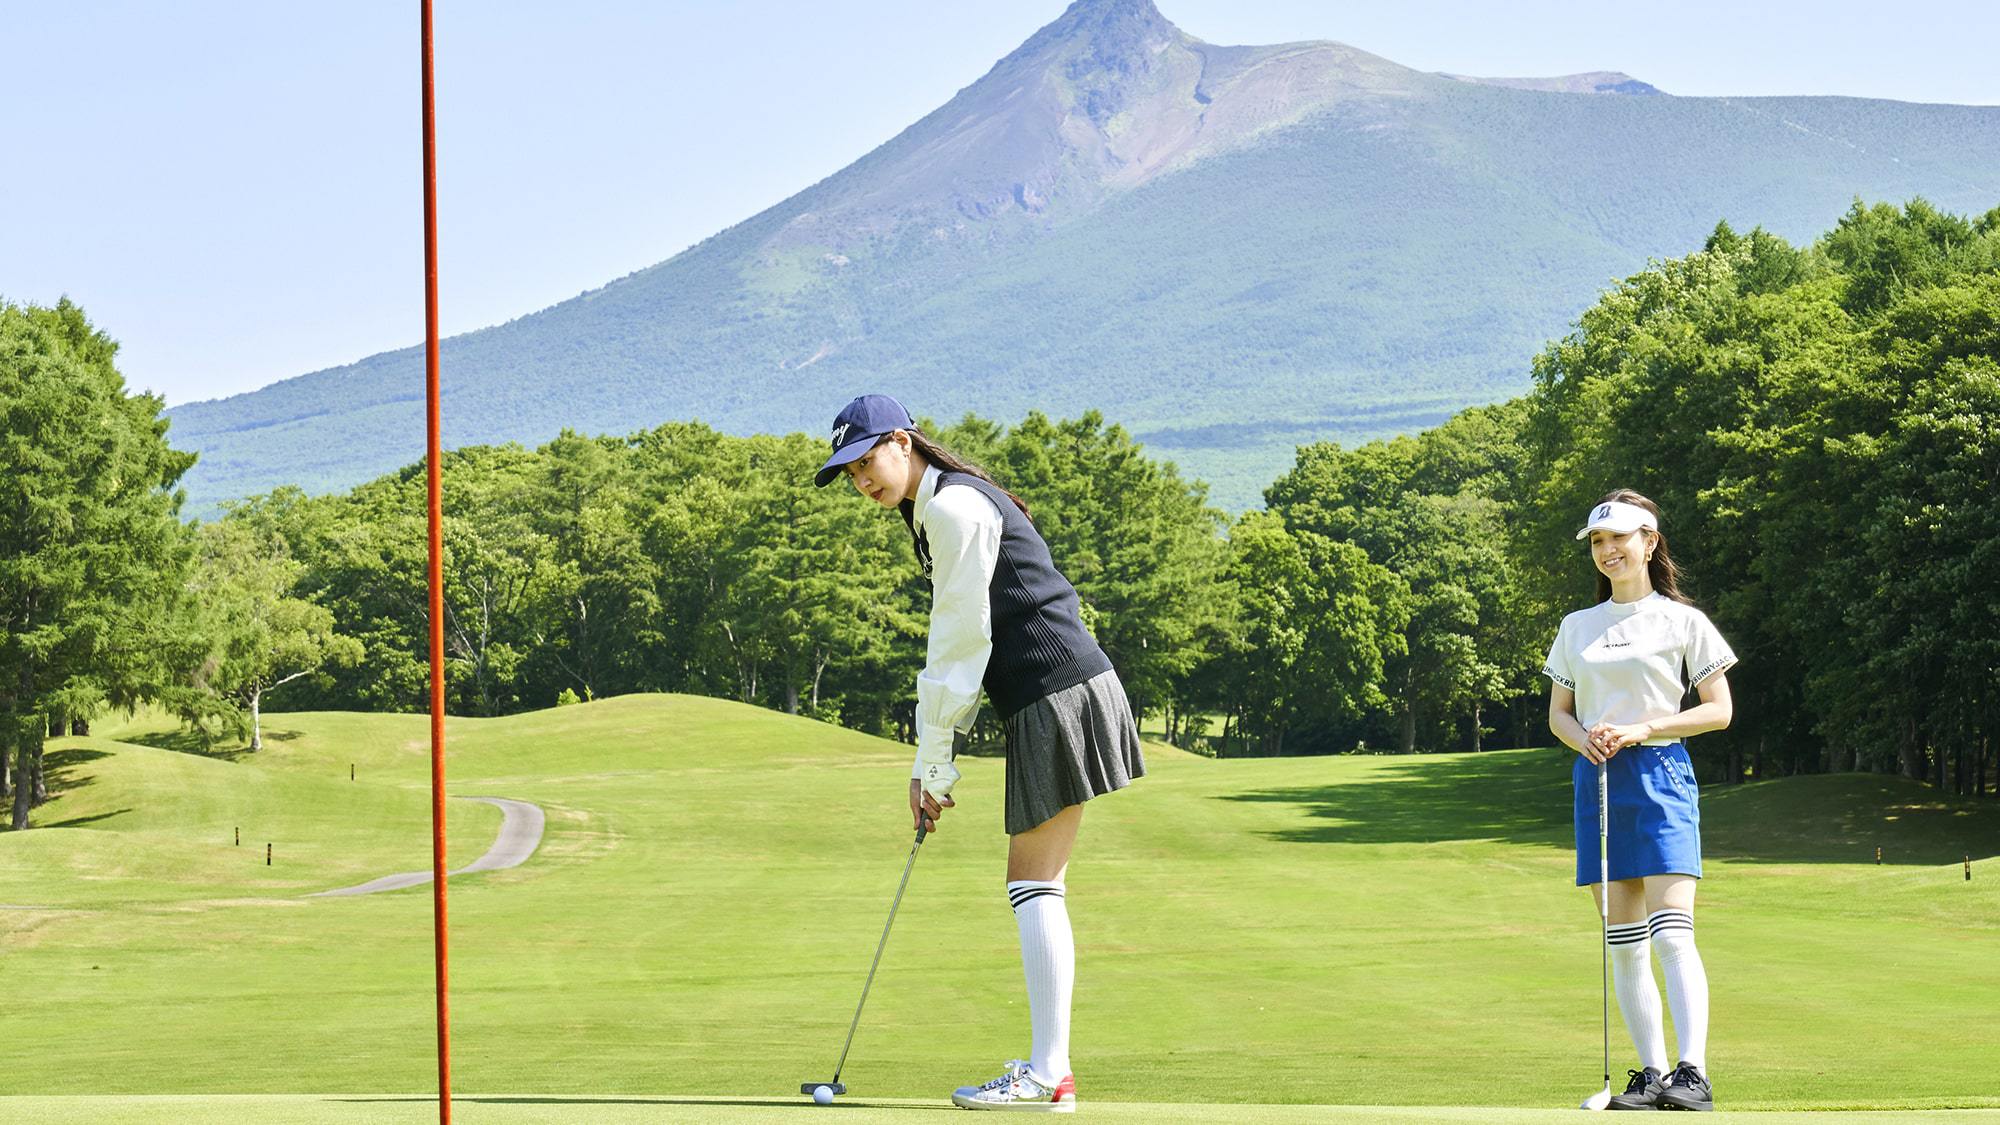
1655, 824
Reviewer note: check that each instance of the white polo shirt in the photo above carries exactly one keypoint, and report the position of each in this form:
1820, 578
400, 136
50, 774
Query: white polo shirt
1632, 662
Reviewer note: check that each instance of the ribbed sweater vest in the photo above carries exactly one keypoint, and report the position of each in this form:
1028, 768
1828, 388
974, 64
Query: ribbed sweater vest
1039, 643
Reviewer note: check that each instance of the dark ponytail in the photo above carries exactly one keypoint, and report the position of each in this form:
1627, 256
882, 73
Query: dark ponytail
1665, 575
951, 462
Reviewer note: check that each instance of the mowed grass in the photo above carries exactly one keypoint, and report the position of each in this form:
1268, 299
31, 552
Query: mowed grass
1358, 931
535, 1109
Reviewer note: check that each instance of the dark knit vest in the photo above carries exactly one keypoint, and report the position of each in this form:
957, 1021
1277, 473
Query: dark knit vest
1039, 643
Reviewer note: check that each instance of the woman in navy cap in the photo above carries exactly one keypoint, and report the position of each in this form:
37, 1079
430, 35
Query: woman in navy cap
1619, 672
1003, 618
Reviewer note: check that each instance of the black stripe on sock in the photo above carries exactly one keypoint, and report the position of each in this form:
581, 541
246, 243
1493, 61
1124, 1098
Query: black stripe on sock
1677, 920
1028, 896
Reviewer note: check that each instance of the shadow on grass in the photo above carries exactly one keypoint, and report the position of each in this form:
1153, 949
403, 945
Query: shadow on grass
1843, 818
1523, 797
80, 821
58, 769
188, 741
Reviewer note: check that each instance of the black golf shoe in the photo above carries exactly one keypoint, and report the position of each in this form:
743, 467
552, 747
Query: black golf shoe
1643, 1092
1687, 1088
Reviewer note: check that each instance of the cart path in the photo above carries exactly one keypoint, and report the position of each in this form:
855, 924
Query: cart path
520, 834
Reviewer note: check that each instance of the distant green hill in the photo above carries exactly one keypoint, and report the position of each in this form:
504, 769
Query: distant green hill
1229, 250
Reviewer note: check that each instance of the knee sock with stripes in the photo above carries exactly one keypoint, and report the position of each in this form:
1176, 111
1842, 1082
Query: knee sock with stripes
1687, 982
1638, 996
1048, 956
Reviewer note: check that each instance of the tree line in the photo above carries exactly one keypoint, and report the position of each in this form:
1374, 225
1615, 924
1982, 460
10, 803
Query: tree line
1818, 424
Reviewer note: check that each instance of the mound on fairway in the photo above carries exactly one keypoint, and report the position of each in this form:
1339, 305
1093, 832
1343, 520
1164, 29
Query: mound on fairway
1356, 930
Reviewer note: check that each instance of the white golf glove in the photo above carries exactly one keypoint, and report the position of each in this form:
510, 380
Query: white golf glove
937, 778
933, 768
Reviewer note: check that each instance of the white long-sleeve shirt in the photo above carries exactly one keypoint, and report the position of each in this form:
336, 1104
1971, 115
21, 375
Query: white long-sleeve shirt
963, 529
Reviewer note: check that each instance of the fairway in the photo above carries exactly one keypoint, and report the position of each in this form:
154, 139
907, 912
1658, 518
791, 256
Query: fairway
1290, 935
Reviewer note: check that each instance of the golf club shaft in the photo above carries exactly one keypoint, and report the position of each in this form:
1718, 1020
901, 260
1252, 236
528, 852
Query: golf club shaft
1604, 905
882, 944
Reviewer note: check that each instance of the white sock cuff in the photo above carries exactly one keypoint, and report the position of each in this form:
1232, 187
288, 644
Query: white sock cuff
1020, 892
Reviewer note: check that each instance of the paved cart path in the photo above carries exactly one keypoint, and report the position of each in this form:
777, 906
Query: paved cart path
520, 834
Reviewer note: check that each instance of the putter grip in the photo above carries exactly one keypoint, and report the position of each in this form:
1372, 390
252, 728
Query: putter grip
920, 830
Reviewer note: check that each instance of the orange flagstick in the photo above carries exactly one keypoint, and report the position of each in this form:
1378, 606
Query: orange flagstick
436, 576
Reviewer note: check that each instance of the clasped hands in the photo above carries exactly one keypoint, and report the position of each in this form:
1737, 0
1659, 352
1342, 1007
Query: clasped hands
1603, 742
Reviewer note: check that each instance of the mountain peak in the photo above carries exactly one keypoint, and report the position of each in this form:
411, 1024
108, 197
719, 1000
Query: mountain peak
1111, 14
1109, 95
1103, 49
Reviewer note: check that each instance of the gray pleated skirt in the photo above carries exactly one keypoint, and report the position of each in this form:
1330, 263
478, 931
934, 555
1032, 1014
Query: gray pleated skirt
1067, 747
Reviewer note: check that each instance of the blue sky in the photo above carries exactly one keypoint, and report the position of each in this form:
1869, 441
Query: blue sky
231, 189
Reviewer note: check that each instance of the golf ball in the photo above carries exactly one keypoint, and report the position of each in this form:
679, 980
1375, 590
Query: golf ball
823, 1095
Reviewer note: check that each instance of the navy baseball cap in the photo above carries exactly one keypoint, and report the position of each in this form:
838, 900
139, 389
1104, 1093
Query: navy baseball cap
856, 429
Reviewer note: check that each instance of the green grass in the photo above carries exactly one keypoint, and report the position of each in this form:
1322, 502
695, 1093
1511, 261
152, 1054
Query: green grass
1361, 931
531, 1109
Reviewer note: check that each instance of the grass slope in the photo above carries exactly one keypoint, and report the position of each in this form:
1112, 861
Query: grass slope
1362, 931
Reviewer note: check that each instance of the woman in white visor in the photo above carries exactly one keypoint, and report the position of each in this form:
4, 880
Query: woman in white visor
1620, 671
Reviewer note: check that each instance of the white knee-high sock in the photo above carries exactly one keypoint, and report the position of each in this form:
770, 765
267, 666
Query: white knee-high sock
1687, 982
1048, 957
1638, 996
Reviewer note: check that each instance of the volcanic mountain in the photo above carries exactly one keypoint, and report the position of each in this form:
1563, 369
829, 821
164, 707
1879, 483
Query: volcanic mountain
1229, 250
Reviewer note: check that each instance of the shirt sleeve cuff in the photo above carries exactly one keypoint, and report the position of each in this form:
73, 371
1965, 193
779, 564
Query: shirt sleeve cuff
1721, 664
934, 744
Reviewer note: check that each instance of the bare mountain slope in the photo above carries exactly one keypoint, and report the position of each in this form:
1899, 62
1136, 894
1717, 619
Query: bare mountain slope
1227, 249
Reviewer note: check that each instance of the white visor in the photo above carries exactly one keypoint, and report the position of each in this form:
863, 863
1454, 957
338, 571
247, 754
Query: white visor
1619, 518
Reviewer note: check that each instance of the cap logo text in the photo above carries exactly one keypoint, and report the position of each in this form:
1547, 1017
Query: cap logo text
840, 432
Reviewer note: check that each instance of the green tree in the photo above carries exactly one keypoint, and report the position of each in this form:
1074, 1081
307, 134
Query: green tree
1140, 544
92, 554
1432, 509
263, 636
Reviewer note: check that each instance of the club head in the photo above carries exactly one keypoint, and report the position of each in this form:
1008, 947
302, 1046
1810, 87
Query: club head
838, 1089
1599, 1100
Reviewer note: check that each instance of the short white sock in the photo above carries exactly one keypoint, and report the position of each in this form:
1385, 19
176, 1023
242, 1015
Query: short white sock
1687, 982
1638, 996
1048, 957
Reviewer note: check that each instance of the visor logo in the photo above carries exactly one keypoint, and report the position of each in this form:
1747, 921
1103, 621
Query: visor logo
1603, 512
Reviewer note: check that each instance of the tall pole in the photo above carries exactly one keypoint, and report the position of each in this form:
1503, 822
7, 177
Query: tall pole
439, 929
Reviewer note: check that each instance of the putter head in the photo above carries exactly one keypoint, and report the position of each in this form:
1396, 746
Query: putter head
838, 1089
1599, 1100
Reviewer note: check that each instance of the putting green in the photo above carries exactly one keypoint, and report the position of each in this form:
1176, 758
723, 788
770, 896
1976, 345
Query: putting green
537, 1109
699, 917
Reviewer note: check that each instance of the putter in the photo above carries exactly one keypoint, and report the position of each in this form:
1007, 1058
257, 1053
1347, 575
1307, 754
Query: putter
1602, 1099
808, 1087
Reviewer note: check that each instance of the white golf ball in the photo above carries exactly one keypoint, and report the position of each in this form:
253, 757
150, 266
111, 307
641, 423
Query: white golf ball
823, 1095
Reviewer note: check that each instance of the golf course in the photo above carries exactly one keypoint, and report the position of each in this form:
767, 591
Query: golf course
1363, 937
